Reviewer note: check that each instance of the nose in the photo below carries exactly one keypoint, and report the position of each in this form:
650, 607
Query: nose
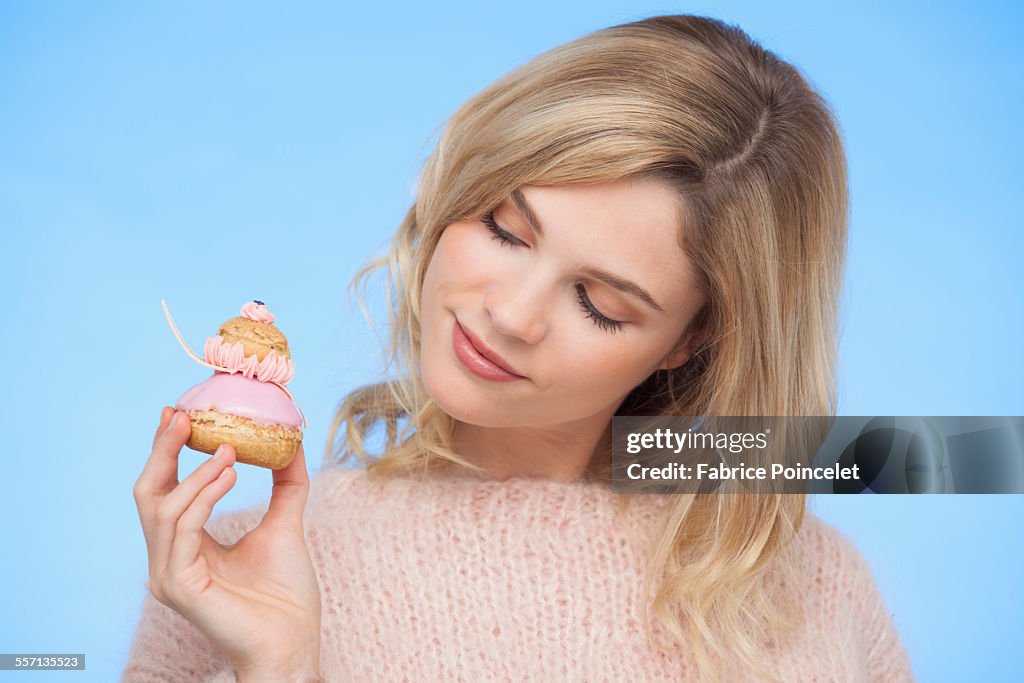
518, 308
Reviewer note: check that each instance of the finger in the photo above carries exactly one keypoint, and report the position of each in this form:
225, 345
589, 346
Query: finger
162, 465
189, 533
165, 416
160, 475
140, 483
174, 504
291, 487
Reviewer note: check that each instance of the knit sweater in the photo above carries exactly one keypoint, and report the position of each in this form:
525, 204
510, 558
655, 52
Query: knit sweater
521, 580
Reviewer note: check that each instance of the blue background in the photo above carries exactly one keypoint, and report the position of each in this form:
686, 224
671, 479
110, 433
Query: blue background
211, 153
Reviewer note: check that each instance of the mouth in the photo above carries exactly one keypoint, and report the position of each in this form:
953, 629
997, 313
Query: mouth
479, 359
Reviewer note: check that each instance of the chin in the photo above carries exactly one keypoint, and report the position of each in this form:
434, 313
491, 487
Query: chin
466, 405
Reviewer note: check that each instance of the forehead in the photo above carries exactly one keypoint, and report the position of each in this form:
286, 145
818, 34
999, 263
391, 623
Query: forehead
630, 227
641, 197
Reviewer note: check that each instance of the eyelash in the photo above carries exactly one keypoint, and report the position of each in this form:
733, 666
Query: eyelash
602, 321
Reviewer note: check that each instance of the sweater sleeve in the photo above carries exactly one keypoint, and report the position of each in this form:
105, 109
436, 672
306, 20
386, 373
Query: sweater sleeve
170, 649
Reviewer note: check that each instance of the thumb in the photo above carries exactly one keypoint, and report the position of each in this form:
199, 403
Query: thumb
291, 488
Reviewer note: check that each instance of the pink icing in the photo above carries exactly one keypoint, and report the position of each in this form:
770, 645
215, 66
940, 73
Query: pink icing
273, 368
255, 310
234, 394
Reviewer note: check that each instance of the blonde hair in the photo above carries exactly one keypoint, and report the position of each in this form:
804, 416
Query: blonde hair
756, 156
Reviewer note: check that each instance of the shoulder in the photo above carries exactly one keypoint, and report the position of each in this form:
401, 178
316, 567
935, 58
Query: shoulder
828, 558
329, 483
834, 571
829, 546
848, 594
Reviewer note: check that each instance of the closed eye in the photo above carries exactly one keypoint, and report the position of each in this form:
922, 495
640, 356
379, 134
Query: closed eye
498, 233
508, 239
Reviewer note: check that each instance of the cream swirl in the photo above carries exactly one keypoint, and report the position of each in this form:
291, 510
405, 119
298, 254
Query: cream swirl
273, 368
257, 310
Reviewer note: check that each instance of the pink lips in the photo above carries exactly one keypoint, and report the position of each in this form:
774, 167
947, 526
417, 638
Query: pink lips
475, 360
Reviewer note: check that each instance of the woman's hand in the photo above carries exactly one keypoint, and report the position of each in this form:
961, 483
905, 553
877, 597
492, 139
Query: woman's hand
257, 600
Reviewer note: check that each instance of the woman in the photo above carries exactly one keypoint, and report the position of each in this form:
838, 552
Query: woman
649, 220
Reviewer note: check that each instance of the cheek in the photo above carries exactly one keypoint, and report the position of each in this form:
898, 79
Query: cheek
455, 268
463, 246
590, 363
456, 261
601, 367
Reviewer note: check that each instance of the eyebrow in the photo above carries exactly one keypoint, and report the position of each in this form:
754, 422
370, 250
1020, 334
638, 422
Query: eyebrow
604, 276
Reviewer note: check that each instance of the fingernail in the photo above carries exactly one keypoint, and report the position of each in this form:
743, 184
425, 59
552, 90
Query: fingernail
219, 451
174, 421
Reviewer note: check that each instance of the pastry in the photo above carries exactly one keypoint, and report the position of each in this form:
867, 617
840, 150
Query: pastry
245, 403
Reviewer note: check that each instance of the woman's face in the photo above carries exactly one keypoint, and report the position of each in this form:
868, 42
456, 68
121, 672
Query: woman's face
537, 298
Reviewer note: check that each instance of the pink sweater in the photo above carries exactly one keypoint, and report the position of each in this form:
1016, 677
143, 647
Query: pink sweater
524, 580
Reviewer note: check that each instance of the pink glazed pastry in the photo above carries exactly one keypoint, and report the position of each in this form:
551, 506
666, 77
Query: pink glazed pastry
245, 403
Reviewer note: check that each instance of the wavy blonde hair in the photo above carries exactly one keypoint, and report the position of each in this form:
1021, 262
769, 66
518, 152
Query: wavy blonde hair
756, 156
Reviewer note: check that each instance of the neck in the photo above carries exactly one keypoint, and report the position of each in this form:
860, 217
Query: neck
560, 453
